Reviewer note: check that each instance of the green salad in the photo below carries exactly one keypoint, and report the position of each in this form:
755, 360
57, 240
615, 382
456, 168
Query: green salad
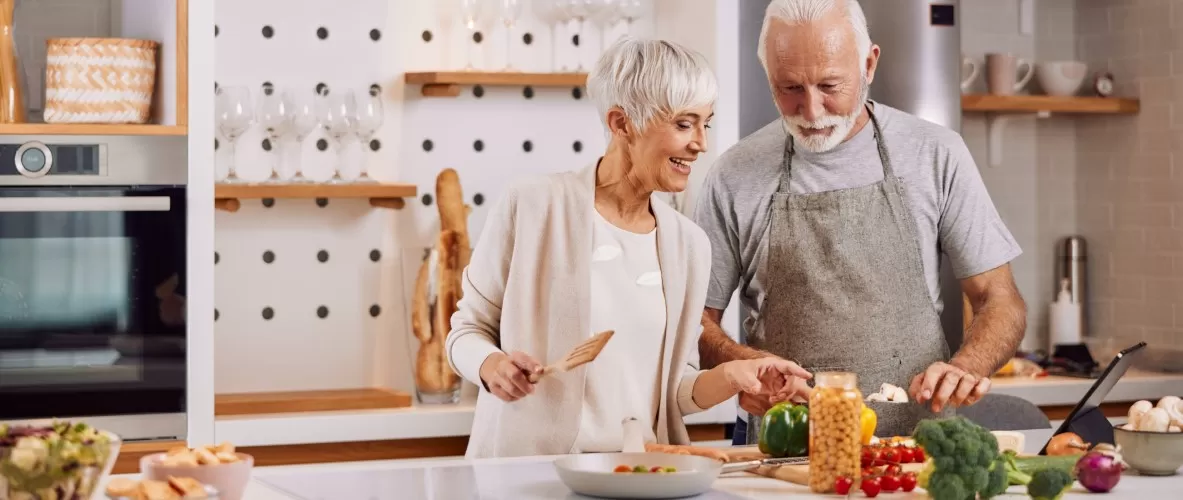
62, 461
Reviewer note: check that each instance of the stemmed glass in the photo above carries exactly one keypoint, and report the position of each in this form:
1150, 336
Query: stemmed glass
510, 11
369, 119
445, 13
576, 12
233, 108
275, 116
471, 14
630, 10
304, 121
551, 12
338, 114
605, 14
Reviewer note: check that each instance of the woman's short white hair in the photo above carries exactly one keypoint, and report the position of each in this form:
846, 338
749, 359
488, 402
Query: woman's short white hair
802, 11
650, 79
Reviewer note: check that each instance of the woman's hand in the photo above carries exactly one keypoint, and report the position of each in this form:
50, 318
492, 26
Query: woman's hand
772, 379
507, 375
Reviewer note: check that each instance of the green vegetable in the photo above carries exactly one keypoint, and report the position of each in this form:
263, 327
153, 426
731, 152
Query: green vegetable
784, 431
1049, 484
963, 460
1028, 465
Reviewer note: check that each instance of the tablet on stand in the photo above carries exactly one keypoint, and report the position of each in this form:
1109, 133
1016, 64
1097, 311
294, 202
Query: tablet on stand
1087, 420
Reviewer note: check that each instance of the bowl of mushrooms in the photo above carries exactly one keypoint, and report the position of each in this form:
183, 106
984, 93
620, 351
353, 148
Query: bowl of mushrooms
1152, 439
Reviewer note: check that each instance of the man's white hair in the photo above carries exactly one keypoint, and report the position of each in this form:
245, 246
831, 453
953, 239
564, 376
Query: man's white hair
650, 79
803, 11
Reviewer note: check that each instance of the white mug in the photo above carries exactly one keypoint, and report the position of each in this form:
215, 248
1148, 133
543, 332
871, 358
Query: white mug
967, 82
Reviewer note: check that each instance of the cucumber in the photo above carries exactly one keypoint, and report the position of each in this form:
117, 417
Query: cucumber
1028, 465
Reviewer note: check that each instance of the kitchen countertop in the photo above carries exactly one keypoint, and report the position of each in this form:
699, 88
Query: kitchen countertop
456, 420
529, 478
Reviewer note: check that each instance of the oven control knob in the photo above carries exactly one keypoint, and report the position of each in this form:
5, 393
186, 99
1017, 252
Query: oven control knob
33, 159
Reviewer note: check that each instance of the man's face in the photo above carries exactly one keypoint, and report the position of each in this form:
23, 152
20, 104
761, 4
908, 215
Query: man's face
818, 80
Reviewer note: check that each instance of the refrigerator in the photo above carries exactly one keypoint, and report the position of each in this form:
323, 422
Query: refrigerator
919, 72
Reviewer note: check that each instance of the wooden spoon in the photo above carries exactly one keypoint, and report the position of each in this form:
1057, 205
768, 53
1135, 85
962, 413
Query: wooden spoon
582, 354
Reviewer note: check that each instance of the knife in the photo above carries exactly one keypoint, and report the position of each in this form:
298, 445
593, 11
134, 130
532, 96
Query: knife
764, 462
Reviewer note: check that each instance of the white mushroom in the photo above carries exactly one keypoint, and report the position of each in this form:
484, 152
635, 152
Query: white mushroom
878, 396
1174, 428
1137, 413
899, 395
1156, 420
1174, 407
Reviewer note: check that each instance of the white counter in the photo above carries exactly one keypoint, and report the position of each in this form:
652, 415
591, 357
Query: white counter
456, 420
534, 478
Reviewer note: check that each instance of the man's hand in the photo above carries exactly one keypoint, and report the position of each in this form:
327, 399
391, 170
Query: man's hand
946, 385
766, 381
507, 376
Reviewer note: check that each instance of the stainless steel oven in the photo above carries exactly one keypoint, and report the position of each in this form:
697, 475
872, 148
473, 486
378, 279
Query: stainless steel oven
92, 282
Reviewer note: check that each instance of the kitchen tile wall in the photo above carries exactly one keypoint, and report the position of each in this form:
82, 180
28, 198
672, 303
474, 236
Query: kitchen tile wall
1129, 174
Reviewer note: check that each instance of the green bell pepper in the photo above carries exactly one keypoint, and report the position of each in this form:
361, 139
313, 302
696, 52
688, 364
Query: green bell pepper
784, 431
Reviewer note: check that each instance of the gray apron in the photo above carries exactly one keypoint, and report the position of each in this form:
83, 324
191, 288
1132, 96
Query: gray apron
847, 291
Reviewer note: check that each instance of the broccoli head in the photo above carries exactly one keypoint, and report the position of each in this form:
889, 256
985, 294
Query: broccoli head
964, 460
1049, 484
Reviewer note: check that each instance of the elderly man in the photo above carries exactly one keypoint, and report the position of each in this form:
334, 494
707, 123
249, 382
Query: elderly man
833, 220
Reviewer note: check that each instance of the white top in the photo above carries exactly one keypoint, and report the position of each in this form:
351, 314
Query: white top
626, 296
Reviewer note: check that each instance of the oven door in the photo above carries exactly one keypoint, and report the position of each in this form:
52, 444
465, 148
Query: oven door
92, 305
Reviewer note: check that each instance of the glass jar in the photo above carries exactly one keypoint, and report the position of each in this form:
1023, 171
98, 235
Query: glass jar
834, 432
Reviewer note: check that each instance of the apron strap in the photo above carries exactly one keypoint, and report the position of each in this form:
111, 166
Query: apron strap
790, 148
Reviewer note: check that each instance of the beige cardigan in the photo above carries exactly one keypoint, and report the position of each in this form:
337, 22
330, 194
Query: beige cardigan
529, 278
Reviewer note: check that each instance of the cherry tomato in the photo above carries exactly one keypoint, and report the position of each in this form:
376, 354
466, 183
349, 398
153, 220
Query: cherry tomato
908, 481
893, 470
918, 455
868, 457
906, 455
622, 468
876, 457
890, 456
657, 468
889, 483
871, 487
869, 472
842, 485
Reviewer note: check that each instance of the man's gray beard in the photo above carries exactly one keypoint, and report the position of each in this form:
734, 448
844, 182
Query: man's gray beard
842, 126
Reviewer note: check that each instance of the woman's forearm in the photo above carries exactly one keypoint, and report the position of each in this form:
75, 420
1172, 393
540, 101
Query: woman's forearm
711, 388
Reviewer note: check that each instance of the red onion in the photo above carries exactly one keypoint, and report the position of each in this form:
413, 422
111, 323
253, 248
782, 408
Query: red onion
1100, 469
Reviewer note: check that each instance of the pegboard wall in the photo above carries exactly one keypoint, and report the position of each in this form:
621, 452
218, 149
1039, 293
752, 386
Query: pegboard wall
314, 294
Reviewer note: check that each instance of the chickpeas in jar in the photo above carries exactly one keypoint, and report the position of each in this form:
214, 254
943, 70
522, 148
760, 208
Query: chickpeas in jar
834, 431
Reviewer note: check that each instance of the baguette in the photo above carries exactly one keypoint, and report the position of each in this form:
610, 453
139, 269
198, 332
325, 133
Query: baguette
677, 449
420, 308
453, 212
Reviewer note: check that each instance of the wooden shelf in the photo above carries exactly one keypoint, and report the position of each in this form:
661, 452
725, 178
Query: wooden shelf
1048, 104
91, 129
448, 83
263, 403
226, 196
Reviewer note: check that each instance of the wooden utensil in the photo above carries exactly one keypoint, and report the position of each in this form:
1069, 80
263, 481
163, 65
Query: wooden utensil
582, 354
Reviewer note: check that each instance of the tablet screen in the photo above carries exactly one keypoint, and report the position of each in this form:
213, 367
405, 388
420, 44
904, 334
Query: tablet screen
1087, 420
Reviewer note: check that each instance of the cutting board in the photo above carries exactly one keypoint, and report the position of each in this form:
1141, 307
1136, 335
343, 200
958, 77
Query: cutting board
796, 474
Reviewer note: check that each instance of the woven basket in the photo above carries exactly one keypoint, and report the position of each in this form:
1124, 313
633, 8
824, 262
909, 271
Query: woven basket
99, 80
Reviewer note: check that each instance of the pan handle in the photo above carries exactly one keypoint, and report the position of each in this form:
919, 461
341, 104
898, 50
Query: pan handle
728, 468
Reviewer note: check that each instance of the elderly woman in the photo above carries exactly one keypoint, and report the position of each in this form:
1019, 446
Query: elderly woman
567, 255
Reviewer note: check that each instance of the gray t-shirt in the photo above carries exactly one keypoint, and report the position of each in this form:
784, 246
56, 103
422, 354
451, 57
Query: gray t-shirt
943, 189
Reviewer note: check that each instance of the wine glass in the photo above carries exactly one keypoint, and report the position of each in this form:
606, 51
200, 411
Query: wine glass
577, 12
339, 116
275, 116
233, 108
304, 121
510, 11
551, 12
630, 10
369, 119
472, 16
445, 14
605, 14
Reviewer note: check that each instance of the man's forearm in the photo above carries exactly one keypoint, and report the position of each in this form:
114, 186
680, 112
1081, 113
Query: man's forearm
716, 348
994, 335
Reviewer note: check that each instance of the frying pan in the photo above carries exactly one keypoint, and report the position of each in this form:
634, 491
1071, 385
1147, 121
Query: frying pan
592, 474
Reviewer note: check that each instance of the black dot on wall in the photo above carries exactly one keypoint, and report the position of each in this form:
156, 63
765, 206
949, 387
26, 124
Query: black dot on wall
375, 89
268, 257
478, 91
268, 32
375, 311
268, 88
375, 35
478, 145
575, 40
528, 92
322, 312
527, 39
322, 256
217, 257
427, 144
217, 314
322, 202
426, 36
322, 33
375, 255
216, 30
527, 146
322, 89
375, 144
478, 199
216, 144
266, 144
268, 313
268, 202
577, 93
217, 89
477, 37
578, 146
322, 144
426, 199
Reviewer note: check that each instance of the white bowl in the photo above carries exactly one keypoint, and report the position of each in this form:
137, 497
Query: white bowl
1061, 78
592, 475
1150, 453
